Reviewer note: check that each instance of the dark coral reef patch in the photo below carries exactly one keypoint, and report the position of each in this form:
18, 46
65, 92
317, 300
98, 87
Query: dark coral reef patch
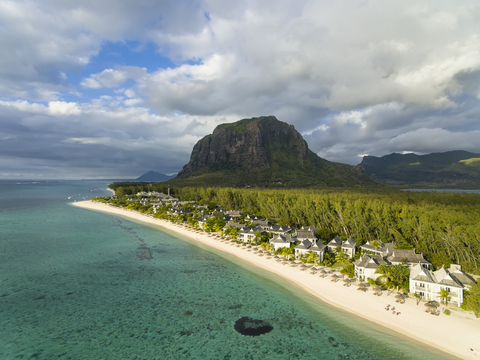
251, 327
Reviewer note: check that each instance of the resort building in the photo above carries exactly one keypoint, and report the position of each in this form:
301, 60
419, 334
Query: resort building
305, 235
333, 244
366, 266
281, 241
247, 234
406, 256
427, 284
381, 249
348, 246
306, 246
280, 230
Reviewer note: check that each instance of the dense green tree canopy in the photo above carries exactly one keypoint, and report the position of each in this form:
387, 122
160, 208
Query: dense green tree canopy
445, 227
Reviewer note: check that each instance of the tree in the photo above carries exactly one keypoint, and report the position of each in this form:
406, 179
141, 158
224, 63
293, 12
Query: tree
445, 295
394, 275
328, 260
284, 251
348, 270
312, 257
266, 246
472, 298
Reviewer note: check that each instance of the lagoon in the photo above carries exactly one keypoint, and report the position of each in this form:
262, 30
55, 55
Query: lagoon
73, 285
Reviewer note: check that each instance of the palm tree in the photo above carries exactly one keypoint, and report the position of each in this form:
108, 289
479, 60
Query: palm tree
445, 295
394, 275
341, 257
374, 282
312, 257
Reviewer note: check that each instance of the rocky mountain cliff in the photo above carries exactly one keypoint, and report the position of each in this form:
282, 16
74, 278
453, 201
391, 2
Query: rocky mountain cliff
457, 169
263, 152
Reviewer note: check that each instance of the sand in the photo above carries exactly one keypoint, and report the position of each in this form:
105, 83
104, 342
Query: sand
455, 334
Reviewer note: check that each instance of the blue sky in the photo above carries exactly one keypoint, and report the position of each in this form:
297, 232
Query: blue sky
114, 89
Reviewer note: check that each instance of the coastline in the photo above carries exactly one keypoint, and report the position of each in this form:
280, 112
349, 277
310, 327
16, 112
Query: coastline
454, 334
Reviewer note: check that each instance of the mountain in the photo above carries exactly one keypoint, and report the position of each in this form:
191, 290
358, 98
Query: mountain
153, 176
263, 152
460, 169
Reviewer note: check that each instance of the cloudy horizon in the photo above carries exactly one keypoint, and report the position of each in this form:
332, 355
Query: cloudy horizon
113, 89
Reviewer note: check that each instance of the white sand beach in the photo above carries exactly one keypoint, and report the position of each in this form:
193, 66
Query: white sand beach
455, 334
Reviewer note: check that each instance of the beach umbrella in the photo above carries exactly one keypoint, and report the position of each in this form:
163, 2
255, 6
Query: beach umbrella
362, 285
431, 304
399, 297
347, 280
334, 276
323, 273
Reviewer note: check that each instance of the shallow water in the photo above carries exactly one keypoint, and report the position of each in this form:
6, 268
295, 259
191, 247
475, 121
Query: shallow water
73, 285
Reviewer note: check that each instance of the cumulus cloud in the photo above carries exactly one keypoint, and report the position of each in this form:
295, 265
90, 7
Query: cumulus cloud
366, 77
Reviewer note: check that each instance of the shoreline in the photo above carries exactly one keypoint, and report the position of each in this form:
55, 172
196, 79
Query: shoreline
454, 334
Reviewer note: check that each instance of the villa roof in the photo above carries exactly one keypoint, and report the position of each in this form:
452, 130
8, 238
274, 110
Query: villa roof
448, 277
282, 239
349, 243
311, 228
419, 273
318, 247
369, 247
305, 244
305, 234
444, 277
335, 242
409, 255
370, 261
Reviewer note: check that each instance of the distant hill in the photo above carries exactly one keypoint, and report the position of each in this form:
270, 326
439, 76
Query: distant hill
153, 176
263, 152
458, 169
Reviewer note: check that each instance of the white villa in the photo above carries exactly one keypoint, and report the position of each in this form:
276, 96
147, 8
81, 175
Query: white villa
315, 246
366, 266
249, 234
281, 241
348, 246
385, 254
427, 284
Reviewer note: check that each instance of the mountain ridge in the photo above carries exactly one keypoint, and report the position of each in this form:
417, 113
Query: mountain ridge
457, 168
153, 176
263, 151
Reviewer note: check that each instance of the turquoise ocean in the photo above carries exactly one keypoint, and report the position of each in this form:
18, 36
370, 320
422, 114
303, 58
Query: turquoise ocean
73, 286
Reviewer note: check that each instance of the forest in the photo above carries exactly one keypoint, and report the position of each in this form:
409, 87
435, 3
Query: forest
445, 227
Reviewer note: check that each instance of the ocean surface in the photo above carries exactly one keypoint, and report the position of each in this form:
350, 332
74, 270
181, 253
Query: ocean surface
73, 285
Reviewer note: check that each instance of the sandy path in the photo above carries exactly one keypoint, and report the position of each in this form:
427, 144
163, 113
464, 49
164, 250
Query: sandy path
454, 334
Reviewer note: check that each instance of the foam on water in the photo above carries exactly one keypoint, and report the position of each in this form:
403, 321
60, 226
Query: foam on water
76, 284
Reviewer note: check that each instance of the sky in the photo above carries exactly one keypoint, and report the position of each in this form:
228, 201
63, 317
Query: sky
113, 89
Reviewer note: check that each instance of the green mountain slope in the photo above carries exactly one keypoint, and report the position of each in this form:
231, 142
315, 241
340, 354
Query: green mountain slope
460, 169
263, 152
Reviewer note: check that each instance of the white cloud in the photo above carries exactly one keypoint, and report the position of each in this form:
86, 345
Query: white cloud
354, 77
